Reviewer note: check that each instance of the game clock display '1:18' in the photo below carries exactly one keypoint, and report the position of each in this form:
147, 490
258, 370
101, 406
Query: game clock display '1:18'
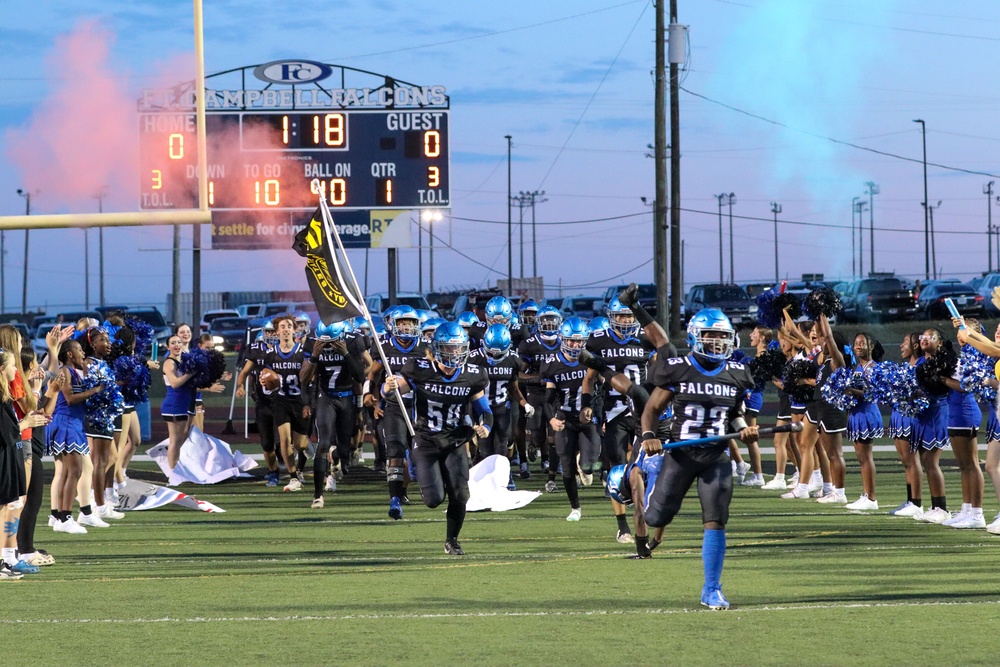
284, 160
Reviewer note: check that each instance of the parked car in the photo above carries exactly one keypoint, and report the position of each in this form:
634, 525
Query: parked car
442, 302
879, 300
38, 340
985, 289
377, 303
209, 315
475, 301
931, 305
229, 332
730, 299
251, 310
152, 316
73, 316
586, 307
647, 297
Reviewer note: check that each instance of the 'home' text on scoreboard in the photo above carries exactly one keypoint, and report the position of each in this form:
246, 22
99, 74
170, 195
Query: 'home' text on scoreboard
270, 160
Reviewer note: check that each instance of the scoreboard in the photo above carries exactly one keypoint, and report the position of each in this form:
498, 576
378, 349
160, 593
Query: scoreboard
281, 160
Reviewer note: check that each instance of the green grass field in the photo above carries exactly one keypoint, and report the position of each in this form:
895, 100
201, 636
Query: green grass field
272, 580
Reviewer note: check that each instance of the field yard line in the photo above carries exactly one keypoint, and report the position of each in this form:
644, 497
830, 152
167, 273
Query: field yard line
507, 614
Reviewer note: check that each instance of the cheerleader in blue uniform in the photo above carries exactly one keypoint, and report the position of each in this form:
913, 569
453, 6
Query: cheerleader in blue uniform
65, 437
964, 419
930, 428
864, 422
901, 431
178, 404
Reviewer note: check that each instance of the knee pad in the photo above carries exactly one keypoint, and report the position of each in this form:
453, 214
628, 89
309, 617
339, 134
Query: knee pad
394, 474
431, 497
462, 495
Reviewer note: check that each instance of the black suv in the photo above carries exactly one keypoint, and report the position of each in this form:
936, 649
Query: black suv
730, 299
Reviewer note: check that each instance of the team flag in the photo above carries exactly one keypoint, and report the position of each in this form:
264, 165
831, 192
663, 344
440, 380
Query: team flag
335, 301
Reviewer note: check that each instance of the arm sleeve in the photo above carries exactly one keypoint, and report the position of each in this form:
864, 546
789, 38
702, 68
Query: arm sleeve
551, 402
355, 367
481, 408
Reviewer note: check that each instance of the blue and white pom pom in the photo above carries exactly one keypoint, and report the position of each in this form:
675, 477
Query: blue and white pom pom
977, 368
132, 372
104, 407
205, 367
895, 384
835, 392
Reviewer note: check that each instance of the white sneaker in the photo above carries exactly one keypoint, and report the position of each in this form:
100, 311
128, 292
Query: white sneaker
331, 483
793, 482
338, 472
816, 493
92, 520
832, 498
863, 504
587, 478
742, 469
625, 538
111, 514
735, 474
776, 484
994, 528
955, 518
970, 520
317, 503
69, 526
936, 515
906, 509
111, 497
293, 484
756, 480
574, 515
816, 481
795, 493
52, 521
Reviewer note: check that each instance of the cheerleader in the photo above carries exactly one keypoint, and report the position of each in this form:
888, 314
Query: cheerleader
183, 330
901, 432
930, 428
178, 404
964, 418
760, 338
805, 338
969, 336
206, 342
65, 437
864, 422
96, 346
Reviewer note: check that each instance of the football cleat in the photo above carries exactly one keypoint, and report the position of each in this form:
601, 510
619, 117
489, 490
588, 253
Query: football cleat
714, 600
395, 509
453, 548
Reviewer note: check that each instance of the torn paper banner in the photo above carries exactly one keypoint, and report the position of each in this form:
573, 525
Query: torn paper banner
488, 487
204, 460
139, 495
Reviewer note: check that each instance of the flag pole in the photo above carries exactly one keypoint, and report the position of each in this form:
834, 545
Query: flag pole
352, 292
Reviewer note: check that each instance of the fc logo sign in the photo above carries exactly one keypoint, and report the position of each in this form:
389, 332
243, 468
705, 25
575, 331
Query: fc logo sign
292, 71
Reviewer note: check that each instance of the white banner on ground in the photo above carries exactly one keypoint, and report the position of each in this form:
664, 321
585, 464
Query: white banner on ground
204, 460
145, 496
488, 487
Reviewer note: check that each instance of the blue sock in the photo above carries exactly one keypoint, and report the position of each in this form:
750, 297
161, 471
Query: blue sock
713, 553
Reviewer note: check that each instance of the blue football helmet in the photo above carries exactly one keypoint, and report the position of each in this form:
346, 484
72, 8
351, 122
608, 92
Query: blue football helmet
622, 319
270, 333
467, 318
428, 328
547, 321
361, 324
717, 345
424, 315
515, 322
379, 328
600, 322
451, 345
405, 323
527, 311
499, 310
573, 335
496, 341
618, 485
334, 331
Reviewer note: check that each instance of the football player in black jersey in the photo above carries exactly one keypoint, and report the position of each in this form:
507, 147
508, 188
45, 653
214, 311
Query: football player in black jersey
501, 368
708, 393
444, 389
565, 403
621, 348
263, 418
535, 351
402, 344
338, 360
290, 414
498, 311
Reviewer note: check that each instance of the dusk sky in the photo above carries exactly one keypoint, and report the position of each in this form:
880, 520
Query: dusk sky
775, 91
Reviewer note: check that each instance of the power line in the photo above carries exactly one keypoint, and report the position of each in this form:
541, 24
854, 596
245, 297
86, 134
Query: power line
836, 141
564, 222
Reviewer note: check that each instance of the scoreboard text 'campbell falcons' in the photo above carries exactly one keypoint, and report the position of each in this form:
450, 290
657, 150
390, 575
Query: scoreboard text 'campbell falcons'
274, 160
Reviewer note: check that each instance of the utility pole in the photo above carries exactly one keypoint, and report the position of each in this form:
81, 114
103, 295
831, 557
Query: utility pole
175, 298
854, 251
930, 212
861, 245
537, 197
927, 213
720, 197
732, 273
660, 167
510, 226
873, 189
988, 191
678, 48
776, 209
862, 205
24, 289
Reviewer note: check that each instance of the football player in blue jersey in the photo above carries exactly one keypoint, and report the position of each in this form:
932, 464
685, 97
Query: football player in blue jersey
708, 393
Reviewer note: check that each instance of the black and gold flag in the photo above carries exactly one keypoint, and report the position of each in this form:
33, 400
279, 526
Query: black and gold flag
326, 280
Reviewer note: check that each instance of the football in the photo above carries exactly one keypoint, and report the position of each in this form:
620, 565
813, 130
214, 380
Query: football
269, 379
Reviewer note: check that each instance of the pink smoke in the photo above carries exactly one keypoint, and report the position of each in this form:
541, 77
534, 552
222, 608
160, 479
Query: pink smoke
81, 139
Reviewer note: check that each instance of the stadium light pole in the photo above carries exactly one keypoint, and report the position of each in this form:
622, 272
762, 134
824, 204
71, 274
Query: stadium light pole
862, 205
720, 197
861, 249
24, 289
873, 189
988, 191
854, 252
927, 214
776, 209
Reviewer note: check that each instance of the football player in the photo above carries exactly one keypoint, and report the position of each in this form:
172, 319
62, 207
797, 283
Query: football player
444, 388
708, 393
535, 351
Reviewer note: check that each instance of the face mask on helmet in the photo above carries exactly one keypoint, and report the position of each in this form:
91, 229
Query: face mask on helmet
406, 328
710, 335
548, 324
